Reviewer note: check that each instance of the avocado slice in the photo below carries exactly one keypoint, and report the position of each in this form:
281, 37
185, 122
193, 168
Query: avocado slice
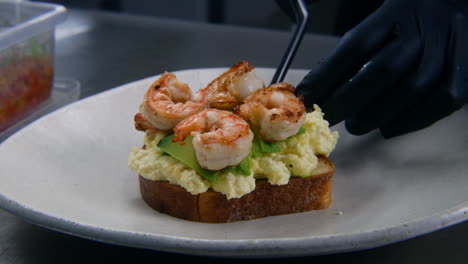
259, 147
185, 153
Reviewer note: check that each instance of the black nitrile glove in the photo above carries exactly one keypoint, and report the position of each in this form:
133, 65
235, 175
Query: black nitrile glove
402, 69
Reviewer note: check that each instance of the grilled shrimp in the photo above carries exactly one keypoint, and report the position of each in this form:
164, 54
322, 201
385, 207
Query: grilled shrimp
220, 138
167, 102
230, 88
275, 113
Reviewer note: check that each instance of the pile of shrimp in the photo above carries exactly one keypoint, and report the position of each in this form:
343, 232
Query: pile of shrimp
223, 116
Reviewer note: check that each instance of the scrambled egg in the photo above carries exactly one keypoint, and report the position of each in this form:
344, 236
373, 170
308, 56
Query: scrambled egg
298, 157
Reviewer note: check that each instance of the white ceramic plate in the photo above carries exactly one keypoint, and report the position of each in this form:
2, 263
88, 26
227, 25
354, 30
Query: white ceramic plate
68, 172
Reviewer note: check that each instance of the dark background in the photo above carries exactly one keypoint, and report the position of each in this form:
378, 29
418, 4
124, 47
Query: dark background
331, 17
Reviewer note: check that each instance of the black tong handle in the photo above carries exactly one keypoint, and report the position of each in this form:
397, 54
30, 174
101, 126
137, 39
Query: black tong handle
302, 18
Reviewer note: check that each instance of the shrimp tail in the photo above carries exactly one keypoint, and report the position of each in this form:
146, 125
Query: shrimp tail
141, 124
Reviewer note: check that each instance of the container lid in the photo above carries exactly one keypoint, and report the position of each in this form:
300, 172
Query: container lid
29, 19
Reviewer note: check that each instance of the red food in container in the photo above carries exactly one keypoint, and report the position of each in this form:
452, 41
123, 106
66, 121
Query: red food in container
26, 57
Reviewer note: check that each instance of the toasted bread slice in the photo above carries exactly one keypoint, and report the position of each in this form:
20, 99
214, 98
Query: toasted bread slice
299, 195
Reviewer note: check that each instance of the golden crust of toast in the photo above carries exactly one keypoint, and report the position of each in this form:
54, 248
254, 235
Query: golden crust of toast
299, 195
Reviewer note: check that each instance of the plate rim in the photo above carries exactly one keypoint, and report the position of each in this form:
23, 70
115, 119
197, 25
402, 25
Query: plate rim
239, 248
244, 248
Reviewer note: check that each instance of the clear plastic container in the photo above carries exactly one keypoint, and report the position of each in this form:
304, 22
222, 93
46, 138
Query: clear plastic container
26, 57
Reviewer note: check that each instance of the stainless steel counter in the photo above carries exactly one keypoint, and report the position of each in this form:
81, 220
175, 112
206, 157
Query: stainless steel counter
103, 50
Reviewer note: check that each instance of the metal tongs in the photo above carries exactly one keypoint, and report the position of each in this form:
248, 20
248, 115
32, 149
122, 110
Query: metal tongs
301, 15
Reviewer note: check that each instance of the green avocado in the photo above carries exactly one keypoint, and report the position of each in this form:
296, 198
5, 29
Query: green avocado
185, 153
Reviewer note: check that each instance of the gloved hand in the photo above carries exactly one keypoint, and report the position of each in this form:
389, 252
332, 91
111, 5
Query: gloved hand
402, 69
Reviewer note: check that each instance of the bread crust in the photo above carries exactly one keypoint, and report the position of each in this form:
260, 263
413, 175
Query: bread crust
299, 195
